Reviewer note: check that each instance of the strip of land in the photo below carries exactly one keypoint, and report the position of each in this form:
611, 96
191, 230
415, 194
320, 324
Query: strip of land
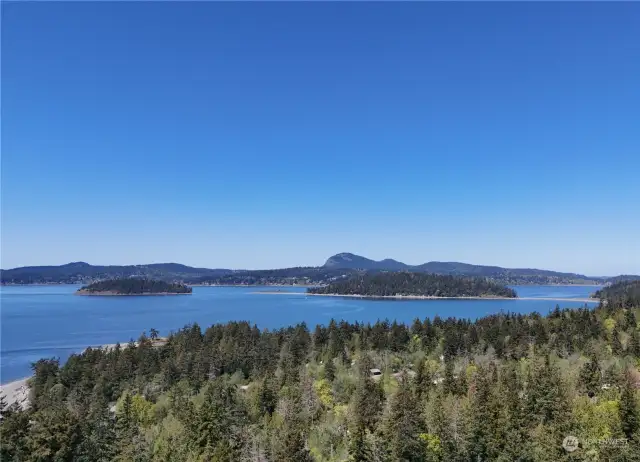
115, 294
427, 297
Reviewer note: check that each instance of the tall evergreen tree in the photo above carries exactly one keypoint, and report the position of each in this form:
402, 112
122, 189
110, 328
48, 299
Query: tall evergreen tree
628, 409
591, 375
404, 425
486, 430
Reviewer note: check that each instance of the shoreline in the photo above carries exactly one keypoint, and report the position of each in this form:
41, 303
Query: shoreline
5, 284
115, 294
430, 297
253, 285
17, 391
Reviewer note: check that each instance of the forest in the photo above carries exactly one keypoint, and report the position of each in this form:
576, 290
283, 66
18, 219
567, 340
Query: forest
506, 387
387, 284
623, 293
134, 286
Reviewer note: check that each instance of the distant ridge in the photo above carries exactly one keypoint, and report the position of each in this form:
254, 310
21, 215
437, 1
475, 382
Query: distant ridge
339, 266
346, 260
81, 272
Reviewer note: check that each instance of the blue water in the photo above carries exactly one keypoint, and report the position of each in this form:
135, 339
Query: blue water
48, 321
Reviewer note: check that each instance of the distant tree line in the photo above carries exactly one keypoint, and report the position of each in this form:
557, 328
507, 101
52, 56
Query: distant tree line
418, 284
80, 272
285, 276
624, 293
136, 286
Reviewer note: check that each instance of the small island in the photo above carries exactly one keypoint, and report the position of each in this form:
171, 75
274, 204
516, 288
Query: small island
414, 285
134, 286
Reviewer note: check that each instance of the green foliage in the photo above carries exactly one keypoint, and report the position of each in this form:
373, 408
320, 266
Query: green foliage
135, 286
629, 411
624, 293
415, 284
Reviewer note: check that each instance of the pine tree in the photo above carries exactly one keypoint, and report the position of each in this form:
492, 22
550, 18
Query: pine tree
291, 443
219, 421
368, 397
267, 397
359, 450
634, 344
405, 425
329, 370
513, 419
591, 375
449, 383
485, 435
440, 427
628, 409
423, 381
616, 345
98, 440
14, 435
4, 408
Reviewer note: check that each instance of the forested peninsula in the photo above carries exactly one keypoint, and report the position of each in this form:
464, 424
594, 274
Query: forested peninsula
134, 286
623, 292
406, 284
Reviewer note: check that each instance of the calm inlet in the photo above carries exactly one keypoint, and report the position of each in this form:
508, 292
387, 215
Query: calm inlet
49, 321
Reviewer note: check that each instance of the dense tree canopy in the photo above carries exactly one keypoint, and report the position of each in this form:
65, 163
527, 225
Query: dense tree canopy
506, 387
626, 293
135, 286
416, 284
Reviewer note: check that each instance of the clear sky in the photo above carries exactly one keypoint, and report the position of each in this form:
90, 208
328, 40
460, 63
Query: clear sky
268, 135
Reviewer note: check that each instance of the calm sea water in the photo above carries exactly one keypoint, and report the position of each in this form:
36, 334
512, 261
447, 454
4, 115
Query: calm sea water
49, 321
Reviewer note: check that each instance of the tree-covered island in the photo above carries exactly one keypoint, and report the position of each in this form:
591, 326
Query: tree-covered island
134, 286
415, 285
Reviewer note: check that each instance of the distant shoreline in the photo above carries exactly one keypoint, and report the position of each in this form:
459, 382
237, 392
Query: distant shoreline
253, 285
428, 297
10, 284
116, 294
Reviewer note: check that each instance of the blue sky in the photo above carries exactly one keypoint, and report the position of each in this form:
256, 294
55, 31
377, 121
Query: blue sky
267, 135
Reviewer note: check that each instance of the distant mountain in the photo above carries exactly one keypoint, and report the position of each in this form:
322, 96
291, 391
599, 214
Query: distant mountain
81, 273
338, 267
351, 261
504, 275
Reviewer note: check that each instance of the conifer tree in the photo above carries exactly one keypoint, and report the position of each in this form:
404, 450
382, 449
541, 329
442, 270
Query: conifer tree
368, 397
591, 375
616, 345
359, 450
513, 420
628, 409
404, 425
486, 431
423, 381
329, 370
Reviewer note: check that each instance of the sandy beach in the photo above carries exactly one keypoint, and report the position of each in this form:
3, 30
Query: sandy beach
16, 392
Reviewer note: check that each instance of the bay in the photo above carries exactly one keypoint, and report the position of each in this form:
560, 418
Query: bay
49, 321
